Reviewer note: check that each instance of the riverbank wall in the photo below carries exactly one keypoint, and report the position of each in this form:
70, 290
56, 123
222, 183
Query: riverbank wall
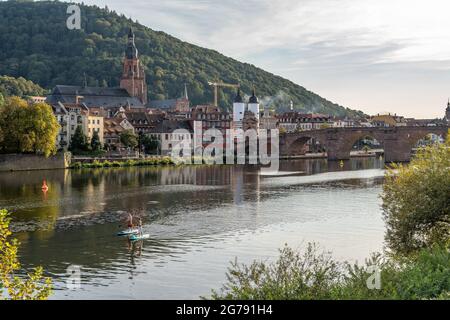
23, 162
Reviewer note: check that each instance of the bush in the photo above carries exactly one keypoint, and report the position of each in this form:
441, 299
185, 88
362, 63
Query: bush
129, 163
292, 276
314, 275
76, 165
34, 286
116, 164
96, 164
107, 164
416, 201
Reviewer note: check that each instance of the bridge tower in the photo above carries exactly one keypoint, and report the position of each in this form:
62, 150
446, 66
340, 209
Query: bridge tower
238, 110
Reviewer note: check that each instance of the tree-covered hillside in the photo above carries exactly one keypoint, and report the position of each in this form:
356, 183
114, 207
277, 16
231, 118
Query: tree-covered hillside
10, 86
36, 44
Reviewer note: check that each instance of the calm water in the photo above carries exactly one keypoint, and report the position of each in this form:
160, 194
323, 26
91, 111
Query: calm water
199, 219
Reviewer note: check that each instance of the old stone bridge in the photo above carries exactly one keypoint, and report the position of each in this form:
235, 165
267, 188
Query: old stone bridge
397, 142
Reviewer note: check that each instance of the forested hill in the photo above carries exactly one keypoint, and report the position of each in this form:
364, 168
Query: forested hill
36, 44
10, 86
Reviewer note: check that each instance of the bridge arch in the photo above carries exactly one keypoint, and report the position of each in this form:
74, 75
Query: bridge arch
342, 142
397, 142
366, 143
306, 143
402, 149
358, 136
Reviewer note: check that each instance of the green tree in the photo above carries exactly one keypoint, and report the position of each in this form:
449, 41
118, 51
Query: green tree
416, 201
27, 128
79, 142
10, 86
32, 287
45, 129
129, 139
96, 145
150, 144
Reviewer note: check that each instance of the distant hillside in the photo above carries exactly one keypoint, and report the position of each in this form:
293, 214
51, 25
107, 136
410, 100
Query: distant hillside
35, 44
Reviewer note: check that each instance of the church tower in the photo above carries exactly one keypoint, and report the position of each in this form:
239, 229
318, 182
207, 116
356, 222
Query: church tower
133, 76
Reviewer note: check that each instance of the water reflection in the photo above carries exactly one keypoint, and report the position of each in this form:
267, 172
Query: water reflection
199, 218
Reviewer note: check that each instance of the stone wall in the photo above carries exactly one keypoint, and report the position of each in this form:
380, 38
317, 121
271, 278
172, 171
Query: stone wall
19, 162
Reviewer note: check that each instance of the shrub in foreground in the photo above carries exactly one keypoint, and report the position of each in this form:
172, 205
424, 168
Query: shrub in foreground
315, 275
34, 286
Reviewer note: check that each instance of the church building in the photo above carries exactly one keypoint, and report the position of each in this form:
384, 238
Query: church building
131, 92
133, 76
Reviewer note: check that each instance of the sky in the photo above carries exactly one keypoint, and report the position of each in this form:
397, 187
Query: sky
377, 56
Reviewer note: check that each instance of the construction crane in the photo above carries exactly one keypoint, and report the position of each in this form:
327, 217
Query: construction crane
216, 85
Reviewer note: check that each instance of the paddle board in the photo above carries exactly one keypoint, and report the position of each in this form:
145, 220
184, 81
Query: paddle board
128, 232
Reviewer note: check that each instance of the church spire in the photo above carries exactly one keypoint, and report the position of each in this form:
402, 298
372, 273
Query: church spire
131, 51
133, 75
130, 33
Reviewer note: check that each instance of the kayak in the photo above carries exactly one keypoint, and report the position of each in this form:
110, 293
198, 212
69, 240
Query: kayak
128, 232
135, 237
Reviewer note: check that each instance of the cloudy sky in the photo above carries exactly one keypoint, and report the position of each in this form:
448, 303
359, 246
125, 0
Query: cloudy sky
373, 55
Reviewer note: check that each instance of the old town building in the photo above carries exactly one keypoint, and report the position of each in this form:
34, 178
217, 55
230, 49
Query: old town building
70, 116
295, 121
211, 117
267, 120
113, 127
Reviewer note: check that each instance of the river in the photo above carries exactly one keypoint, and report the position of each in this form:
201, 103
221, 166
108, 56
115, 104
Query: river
199, 219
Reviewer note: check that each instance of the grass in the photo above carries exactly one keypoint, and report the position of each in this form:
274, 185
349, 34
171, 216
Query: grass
153, 161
